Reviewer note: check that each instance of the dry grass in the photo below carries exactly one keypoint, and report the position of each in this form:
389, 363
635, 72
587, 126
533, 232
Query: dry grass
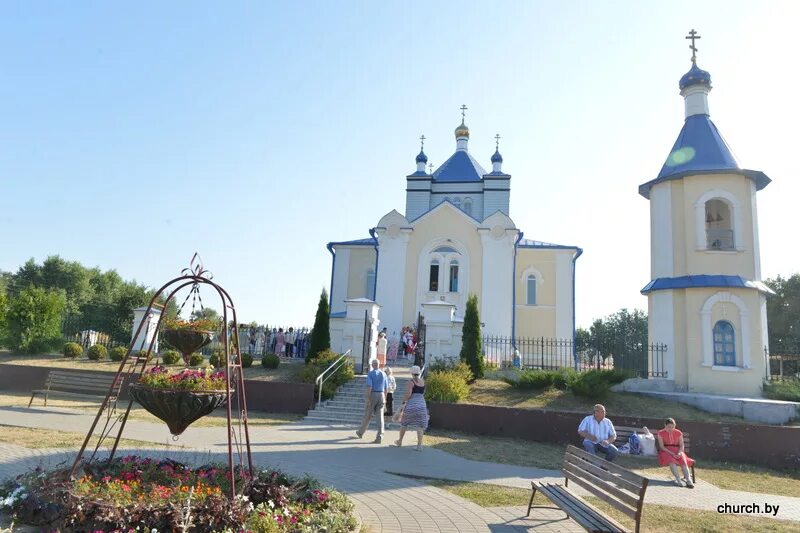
216, 419
288, 370
48, 438
499, 393
724, 475
664, 519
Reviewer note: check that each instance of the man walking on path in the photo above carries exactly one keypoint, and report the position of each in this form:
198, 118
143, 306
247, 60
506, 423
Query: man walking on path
376, 400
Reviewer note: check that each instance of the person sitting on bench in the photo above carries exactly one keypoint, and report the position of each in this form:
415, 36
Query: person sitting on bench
671, 452
598, 433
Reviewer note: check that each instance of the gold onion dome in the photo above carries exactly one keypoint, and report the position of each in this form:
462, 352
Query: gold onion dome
462, 130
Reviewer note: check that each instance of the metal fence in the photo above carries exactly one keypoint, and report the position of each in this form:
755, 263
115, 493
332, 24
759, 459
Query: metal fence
643, 359
783, 366
86, 333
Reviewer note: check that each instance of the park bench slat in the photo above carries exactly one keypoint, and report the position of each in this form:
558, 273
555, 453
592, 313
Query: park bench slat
582, 473
584, 513
624, 433
75, 384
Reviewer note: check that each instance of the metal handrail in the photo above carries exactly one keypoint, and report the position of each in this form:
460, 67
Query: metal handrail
324, 375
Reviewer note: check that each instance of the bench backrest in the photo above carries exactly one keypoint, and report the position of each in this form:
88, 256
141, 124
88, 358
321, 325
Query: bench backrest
624, 432
620, 488
85, 382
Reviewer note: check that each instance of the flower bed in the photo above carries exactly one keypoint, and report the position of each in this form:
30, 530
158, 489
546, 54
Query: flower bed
205, 379
141, 494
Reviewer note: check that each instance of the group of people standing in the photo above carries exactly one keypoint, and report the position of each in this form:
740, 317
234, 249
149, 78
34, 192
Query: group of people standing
391, 348
413, 412
285, 343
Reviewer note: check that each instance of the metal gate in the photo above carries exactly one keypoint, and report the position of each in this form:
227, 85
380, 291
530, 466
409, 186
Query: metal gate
419, 349
367, 345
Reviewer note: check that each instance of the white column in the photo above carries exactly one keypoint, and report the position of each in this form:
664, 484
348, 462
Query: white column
358, 310
392, 246
498, 282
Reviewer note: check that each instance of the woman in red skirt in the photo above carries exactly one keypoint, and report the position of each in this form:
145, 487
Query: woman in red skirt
670, 452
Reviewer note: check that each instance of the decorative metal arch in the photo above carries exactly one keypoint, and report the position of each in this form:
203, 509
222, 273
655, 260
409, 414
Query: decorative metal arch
133, 366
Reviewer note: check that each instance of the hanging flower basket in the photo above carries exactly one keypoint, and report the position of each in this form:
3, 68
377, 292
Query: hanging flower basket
189, 336
180, 399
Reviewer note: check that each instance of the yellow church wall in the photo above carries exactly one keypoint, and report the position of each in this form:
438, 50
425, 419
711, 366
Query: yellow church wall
703, 261
679, 225
444, 223
362, 258
702, 378
536, 320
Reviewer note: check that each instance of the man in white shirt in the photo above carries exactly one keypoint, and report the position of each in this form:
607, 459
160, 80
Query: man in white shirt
598, 433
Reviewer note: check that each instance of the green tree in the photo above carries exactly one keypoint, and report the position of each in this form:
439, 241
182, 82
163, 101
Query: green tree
34, 319
206, 312
622, 335
783, 313
3, 314
471, 343
321, 333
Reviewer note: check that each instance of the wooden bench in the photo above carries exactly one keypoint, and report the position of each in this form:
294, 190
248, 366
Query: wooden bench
620, 488
624, 433
77, 384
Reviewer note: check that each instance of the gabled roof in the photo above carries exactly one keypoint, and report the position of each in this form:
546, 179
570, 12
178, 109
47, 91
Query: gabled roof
358, 242
460, 167
700, 149
528, 243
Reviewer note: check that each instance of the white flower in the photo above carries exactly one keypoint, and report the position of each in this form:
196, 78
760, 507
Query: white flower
286, 511
271, 504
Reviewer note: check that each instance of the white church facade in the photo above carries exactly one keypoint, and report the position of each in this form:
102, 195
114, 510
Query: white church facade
706, 299
456, 238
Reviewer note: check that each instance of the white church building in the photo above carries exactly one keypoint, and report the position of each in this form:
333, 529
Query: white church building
454, 238
706, 299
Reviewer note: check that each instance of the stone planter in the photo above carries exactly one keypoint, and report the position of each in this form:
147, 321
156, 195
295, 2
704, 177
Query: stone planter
177, 408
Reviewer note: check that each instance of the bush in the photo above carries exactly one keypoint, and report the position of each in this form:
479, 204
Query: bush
33, 320
196, 359
595, 384
459, 367
324, 359
247, 360
118, 353
788, 391
217, 359
170, 357
320, 339
446, 386
73, 350
97, 352
471, 342
270, 361
542, 379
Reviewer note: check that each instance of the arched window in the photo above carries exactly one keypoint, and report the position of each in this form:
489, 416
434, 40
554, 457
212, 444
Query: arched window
724, 344
453, 276
433, 278
530, 290
369, 284
468, 206
457, 202
719, 226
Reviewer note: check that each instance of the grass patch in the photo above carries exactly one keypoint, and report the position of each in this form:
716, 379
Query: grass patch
287, 371
48, 438
499, 393
217, 419
664, 519
724, 475
483, 494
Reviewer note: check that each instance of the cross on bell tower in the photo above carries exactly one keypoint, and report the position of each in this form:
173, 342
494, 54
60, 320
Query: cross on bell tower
693, 37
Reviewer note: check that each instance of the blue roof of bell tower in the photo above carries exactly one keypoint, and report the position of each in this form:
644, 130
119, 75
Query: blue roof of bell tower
460, 167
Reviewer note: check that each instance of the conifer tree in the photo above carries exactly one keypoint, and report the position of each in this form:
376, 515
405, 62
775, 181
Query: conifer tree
321, 334
471, 345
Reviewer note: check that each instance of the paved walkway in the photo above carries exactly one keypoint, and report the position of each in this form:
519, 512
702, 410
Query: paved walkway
384, 501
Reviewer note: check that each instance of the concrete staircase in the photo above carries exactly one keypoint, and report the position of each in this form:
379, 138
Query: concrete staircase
346, 408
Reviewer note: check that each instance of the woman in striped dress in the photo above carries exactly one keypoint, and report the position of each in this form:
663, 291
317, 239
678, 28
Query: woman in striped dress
415, 411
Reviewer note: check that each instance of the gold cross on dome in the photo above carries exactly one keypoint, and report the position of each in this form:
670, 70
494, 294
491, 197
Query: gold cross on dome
693, 37
463, 112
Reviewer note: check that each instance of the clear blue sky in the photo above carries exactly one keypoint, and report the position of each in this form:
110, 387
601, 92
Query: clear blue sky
132, 135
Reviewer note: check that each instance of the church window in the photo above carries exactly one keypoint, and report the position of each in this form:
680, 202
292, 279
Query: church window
454, 276
433, 279
530, 297
445, 250
724, 344
719, 231
468, 206
369, 284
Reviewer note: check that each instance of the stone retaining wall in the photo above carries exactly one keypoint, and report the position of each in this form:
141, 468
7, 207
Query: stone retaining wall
770, 446
268, 396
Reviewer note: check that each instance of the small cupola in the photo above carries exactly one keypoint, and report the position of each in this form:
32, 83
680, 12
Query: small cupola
422, 159
462, 131
695, 84
497, 159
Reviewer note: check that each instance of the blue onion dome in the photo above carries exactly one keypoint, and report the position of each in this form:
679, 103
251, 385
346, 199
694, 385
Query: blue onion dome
421, 157
695, 76
462, 130
497, 158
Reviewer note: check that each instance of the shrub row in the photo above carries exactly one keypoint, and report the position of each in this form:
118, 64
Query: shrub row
448, 381
788, 391
592, 384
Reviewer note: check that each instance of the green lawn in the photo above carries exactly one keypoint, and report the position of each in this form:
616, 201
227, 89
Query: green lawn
288, 370
725, 475
499, 393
